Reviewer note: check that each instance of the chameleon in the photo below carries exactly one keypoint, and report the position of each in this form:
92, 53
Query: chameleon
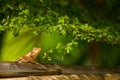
30, 56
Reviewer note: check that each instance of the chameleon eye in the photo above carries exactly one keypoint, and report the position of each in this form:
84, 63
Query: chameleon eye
35, 48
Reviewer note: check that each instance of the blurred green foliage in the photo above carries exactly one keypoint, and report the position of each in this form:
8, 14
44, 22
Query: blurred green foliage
63, 29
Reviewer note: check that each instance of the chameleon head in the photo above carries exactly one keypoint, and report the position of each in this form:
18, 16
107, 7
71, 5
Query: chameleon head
35, 49
35, 52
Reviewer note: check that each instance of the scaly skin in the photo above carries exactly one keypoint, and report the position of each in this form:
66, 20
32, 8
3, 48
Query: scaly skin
30, 56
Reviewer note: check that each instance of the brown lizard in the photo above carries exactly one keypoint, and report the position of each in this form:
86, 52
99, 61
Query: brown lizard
30, 56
